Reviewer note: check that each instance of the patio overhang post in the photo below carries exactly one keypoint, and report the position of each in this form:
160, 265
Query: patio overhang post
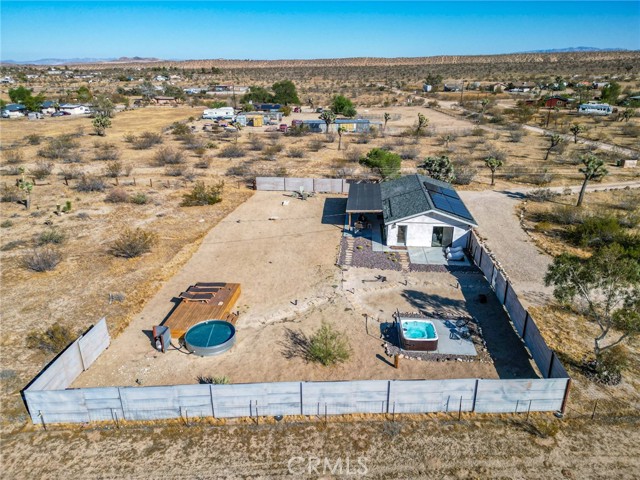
350, 227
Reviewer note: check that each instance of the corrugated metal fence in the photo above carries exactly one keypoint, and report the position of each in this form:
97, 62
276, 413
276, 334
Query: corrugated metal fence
49, 401
545, 358
319, 185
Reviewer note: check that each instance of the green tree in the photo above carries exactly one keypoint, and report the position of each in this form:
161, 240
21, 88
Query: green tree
257, 95
328, 118
493, 164
593, 169
341, 105
439, 168
100, 124
285, 92
20, 94
328, 346
84, 95
608, 283
576, 129
217, 104
610, 93
385, 163
173, 91
434, 80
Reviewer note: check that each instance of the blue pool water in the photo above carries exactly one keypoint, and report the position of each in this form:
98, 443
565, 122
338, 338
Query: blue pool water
419, 330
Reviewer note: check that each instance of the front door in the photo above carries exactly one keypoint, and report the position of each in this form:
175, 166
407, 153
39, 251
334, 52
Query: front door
402, 235
442, 236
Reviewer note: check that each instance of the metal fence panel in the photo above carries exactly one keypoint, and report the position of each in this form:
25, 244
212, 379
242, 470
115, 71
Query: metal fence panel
61, 372
515, 310
295, 184
95, 342
270, 183
540, 352
56, 406
327, 185
431, 395
500, 285
511, 396
558, 370
359, 396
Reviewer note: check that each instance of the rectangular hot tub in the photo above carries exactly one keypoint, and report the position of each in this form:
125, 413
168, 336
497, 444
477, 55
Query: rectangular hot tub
417, 334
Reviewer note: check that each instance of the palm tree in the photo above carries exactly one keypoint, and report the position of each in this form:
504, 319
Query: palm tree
328, 117
593, 169
493, 163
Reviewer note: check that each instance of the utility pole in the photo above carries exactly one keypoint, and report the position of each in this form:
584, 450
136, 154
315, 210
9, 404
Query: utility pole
461, 91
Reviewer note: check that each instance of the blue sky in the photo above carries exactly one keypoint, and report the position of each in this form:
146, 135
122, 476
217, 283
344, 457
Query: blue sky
308, 29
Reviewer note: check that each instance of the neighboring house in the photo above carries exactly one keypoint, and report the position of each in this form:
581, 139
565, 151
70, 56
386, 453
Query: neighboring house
74, 109
160, 78
6, 80
597, 85
498, 87
158, 100
267, 107
14, 110
556, 101
595, 109
452, 87
427, 88
356, 125
417, 211
48, 107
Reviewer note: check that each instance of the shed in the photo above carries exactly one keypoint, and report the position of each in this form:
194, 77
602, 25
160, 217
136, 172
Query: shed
555, 101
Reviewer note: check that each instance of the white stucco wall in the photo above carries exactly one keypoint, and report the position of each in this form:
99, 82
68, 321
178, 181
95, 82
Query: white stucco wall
420, 230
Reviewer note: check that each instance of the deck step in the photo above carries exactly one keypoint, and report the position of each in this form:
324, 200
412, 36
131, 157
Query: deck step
404, 260
348, 257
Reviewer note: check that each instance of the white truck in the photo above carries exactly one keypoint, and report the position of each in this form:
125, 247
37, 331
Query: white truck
224, 113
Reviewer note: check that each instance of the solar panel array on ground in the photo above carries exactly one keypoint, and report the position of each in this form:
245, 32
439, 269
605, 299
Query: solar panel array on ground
447, 200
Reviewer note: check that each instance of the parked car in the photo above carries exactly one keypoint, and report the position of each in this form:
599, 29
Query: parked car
60, 114
283, 127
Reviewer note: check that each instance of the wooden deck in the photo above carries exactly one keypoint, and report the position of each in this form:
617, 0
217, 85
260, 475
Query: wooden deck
189, 312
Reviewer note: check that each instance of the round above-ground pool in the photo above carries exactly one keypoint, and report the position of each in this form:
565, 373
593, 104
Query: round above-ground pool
212, 337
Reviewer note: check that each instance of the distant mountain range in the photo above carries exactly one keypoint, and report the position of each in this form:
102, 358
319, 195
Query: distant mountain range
577, 49
69, 61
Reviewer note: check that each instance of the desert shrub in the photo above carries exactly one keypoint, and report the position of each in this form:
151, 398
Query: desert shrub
10, 193
566, 215
113, 170
232, 151
13, 157
201, 194
139, 199
52, 340
51, 236
315, 145
328, 346
41, 170
133, 243
611, 364
6, 224
58, 148
129, 138
191, 142
72, 156
178, 171
168, 156
464, 175
33, 139
71, 172
409, 153
180, 129
146, 140
515, 136
544, 428
329, 137
631, 130
543, 177
202, 163
352, 154
213, 380
596, 231
106, 151
280, 172
295, 152
256, 143
242, 170
478, 132
41, 259
497, 154
117, 195
90, 183
542, 195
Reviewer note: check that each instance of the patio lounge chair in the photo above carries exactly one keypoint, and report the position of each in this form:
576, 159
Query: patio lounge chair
196, 297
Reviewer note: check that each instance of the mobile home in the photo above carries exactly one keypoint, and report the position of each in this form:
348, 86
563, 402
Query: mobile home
224, 113
595, 109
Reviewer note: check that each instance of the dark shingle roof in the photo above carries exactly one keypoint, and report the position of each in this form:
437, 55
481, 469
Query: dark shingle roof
416, 194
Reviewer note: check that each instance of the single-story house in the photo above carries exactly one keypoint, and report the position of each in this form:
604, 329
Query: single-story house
159, 100
452, 87
74, 109
267, 107
415, 211
556, 101
14, 110
48, 107
356, 125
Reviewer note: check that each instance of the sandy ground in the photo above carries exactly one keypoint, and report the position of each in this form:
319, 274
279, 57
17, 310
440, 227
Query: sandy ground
291, 258
506, 448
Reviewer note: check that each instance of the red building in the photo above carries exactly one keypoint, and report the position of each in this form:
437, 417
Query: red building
553, 102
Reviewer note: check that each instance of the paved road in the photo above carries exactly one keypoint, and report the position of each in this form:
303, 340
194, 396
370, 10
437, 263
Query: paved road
526, 265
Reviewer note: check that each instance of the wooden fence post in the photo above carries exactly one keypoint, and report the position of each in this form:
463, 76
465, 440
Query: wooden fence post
44, 425
566, 396
213, 411
475, 396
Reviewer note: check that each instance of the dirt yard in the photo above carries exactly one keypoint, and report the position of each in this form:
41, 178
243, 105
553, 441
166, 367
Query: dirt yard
284, 257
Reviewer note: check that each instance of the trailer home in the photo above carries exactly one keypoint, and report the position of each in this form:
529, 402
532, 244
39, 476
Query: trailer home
595, 109
224, 113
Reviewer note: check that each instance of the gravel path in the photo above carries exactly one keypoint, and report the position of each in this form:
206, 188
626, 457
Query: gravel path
526, 265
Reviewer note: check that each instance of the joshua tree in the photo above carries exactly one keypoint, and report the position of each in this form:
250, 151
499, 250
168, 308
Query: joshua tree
555, 140
386, 117
341, 130
100, 124
439, 168
593, 169
493, 163
422, 123
576, 129
238, 127
26, 187
328, 118
628, 114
